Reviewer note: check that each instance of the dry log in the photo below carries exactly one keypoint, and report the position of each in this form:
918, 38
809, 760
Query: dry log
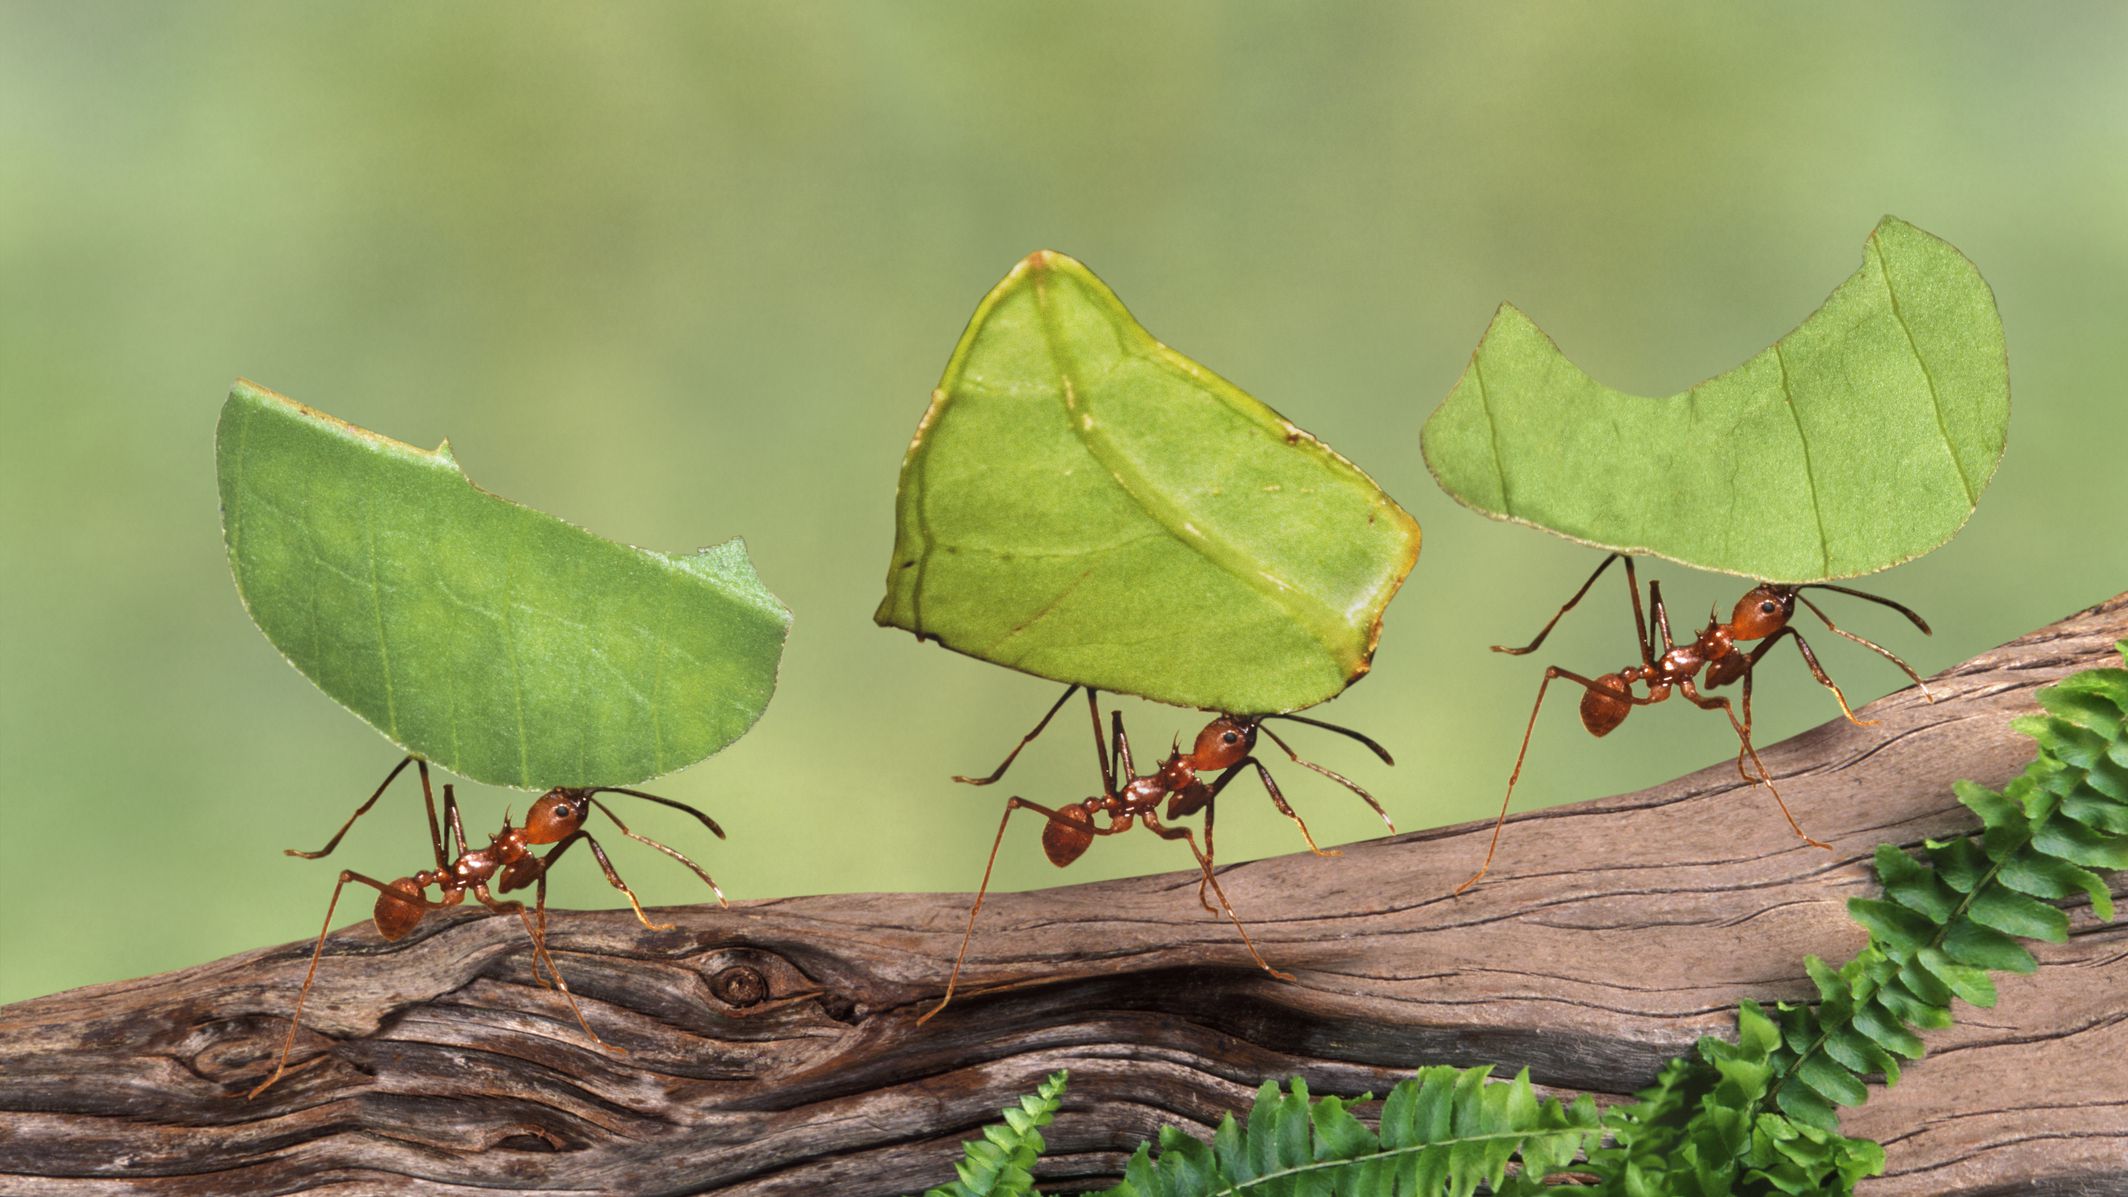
1612, 935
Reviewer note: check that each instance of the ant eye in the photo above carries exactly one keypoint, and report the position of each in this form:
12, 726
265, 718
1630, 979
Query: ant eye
1229, 738
1766, 608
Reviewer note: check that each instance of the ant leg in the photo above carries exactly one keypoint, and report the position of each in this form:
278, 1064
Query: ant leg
1578, 595
1027, 739
1662, 624
1015, 803
1869, 644
1741, 748
1210, 805
1332, 775
1277, 799
435, 838
1816, 670
675, 853
538, 933
295, 1020
613, 879
1551, 673
1204, 865
1743, 733
1124, 770
451, 820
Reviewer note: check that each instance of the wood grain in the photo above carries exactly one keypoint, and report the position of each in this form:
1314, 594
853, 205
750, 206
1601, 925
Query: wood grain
1612, 934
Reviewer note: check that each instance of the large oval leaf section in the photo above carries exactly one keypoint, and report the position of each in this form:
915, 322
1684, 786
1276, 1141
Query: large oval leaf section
1085, 504
497, 641
1859, 440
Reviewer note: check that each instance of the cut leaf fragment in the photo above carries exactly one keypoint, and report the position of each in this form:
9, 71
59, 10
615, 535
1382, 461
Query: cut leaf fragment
496, 641
1085, 504
1860, 440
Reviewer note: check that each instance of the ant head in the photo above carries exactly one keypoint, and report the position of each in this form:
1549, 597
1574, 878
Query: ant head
1762, 611
1223, 742
557, 815
399, 908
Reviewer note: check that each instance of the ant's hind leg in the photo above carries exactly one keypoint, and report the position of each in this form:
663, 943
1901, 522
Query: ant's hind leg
1027, 739
1551, 673
295, 1019
1204, 865
982, 891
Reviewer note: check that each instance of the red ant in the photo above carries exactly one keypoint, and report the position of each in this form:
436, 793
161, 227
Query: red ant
1226, 744
1763, 614
557, 817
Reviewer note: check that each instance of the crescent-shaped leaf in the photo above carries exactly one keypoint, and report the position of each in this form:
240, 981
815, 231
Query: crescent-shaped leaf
497, 641
1085, 504
1860, 440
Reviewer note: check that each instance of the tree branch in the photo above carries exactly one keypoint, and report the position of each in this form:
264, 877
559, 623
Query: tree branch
1610, 936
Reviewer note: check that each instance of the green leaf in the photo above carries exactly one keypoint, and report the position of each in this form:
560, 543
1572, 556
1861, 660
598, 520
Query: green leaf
2015, 914
497, 641
1861, 439
1085, 504
1000, 1163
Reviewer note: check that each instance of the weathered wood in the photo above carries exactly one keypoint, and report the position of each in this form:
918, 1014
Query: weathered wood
1611, 935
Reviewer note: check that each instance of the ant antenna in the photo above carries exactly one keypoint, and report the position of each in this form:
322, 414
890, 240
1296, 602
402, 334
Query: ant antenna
1347, 732
1879, 599
681, 806
1869, 644
668, 850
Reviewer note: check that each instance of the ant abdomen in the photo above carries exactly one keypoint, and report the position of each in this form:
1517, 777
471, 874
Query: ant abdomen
1068, 836
1603, 709
397, 915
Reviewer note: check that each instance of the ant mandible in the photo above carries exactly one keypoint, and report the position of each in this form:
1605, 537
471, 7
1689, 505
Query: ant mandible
1226, 745
1763, 614
557, 817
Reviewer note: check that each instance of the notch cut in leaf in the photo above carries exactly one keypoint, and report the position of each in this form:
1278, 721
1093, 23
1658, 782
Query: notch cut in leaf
1085, 504
498, 642
1861, 439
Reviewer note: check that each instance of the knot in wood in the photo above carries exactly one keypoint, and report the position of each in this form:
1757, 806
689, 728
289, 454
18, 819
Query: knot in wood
740, 985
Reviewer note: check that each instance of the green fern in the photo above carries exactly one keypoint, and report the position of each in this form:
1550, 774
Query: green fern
1000, 1163
1946, 922
1444, 1131
1747, 1119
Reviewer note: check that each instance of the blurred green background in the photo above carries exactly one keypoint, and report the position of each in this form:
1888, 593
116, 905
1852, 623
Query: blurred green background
679, 272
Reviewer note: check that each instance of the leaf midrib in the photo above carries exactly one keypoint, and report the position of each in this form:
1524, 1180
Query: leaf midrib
1322, 623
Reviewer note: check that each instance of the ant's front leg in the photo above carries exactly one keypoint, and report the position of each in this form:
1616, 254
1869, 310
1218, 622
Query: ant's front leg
1332, 774
1277, 799
1817, 671
428, 798
1204, 866
1743, 734
675, 853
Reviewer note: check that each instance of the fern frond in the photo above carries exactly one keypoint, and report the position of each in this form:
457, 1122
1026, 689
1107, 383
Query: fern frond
1444, 1131
1950, 918
1001, 1163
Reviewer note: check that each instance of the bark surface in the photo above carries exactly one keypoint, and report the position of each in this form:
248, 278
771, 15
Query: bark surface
773, 1048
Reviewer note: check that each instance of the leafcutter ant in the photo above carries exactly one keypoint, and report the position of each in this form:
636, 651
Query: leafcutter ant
1763, 614
557, 817
1226, 745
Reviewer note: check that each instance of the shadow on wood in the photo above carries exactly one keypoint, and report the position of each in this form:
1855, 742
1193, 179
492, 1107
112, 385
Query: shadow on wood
437, 1065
